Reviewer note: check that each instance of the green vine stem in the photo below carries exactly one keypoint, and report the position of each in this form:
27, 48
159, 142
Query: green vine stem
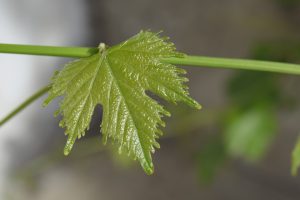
233, 63
197, 61
26, 103
48, 50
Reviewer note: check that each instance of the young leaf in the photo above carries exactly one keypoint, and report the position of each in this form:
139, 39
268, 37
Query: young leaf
250, 133
117, 78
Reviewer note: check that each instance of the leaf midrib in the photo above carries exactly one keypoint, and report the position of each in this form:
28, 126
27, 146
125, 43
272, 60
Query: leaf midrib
126, 105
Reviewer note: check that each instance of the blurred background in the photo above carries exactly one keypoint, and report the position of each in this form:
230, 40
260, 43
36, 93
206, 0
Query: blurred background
237, 147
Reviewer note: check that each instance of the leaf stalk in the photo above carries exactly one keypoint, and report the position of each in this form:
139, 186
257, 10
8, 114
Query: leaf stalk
26, 103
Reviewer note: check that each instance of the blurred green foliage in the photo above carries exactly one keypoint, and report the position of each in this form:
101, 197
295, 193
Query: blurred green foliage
249, 133
210, 159
248, 89
289, 3
250, 124
296, 158
281, 50
284, 51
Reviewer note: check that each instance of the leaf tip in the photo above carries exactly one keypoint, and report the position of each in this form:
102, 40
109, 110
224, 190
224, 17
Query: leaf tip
147, 165
149, 169
66, 151
69, 145
166, 113
46, 102
194, 104
198, 106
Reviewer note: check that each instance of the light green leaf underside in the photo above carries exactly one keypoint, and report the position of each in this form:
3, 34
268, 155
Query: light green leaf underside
117, 78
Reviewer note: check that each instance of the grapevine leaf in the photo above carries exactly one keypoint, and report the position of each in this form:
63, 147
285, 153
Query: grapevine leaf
118, 78
251, 124
249, 133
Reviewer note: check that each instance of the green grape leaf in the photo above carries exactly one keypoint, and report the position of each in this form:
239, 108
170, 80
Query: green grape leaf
118, 78
250, 133
251, 124
296, 158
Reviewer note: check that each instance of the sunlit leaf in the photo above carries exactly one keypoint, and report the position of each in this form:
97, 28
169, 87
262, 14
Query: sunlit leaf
118, 78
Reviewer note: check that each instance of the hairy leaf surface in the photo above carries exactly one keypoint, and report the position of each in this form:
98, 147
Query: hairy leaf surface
118, 78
